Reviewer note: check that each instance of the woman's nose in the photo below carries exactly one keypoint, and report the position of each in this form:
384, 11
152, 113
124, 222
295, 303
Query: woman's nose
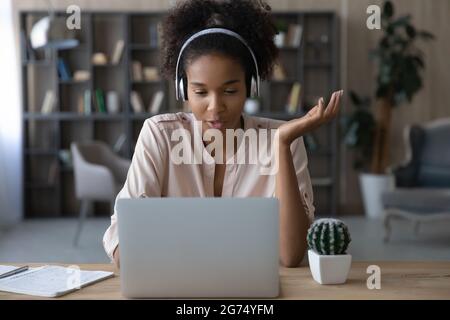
215, 103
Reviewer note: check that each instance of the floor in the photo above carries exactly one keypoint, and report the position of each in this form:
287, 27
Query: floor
51, 241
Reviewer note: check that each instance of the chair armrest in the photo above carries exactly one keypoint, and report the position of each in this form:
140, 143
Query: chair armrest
405, 175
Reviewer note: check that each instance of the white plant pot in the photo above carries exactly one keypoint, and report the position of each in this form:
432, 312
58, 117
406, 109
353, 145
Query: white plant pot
329, 269
372, 187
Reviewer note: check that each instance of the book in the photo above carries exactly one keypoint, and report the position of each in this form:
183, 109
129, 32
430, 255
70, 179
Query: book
117, 54
136, 70
100, 101
80, 104
48, 105
112, 102
136, 102
294, 98
294, 35
51, 281
156, 103
87, 102
64, 70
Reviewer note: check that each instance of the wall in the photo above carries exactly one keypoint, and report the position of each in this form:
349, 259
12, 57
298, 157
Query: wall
357, 71
10, 124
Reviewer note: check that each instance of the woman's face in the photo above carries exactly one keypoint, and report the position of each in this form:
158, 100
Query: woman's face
216, 91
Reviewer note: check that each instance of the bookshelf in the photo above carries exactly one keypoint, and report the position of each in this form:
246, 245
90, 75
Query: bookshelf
49, 183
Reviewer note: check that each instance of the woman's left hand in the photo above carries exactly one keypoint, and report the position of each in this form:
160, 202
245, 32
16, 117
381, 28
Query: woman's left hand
317, 116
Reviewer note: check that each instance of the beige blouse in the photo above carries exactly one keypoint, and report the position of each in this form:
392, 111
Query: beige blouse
153, 173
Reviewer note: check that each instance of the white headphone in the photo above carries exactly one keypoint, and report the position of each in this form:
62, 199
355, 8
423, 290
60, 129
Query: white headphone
179, 83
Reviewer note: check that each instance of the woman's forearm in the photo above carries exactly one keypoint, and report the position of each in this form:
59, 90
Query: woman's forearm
294, 222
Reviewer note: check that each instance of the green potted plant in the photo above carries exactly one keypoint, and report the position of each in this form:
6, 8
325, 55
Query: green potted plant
400, 65
359, 135
328, 240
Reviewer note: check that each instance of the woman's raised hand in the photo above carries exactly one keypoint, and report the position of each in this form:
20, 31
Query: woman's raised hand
317, 116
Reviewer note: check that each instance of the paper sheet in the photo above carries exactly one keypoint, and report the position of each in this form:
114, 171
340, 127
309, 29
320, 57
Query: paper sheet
51, 281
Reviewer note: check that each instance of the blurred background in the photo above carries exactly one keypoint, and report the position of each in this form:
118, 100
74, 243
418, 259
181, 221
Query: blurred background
78, 79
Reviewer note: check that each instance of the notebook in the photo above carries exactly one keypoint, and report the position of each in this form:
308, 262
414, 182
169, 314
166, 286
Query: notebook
49, 281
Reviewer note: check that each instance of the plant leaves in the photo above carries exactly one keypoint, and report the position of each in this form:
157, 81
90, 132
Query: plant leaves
411, 31
400, 22
426, 35
388, 10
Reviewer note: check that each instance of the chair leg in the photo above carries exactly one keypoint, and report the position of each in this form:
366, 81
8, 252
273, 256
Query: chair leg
83, 213
387, 226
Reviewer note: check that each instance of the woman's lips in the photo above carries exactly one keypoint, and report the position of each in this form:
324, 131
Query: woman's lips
216, 124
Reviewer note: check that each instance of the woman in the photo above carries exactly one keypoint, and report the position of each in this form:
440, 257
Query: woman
216, 52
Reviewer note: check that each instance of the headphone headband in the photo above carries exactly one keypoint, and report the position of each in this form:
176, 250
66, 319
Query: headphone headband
211, 31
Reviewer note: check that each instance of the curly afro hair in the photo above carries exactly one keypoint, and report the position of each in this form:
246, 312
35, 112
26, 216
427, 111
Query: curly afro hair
249, 18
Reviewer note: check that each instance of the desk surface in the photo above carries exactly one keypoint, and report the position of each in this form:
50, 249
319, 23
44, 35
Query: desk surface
399, 280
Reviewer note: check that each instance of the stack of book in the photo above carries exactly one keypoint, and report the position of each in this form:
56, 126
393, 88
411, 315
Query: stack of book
93, 102
155, 104
140, 73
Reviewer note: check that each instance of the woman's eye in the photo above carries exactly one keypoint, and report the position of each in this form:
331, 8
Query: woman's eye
200, 92
230, 91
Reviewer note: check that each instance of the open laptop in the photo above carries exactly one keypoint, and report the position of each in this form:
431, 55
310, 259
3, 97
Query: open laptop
198, 247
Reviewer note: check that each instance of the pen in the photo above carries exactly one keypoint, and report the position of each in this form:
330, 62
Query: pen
15, 271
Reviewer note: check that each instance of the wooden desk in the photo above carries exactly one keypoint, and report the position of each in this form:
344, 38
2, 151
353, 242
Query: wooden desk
399, 280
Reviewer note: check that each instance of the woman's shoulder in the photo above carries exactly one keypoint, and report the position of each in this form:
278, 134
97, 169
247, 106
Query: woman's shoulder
169, 121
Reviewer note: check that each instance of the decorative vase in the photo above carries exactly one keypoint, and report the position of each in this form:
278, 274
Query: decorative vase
372, 187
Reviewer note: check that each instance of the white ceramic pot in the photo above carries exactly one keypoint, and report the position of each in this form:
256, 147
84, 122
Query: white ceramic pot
372, 187
329, 269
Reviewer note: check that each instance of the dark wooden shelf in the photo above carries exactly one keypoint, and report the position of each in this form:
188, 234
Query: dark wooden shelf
142, 46
39, 185
40, 152
73, 82
38, 63
148, 82
318, 65
100, 31
107, 65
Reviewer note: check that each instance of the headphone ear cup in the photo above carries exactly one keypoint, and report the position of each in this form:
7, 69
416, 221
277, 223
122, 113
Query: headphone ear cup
253, 88
182, 90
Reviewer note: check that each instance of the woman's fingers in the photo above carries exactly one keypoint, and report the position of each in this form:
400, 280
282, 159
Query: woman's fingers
338, 100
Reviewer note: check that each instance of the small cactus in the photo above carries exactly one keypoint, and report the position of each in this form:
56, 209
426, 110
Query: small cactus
328, 237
